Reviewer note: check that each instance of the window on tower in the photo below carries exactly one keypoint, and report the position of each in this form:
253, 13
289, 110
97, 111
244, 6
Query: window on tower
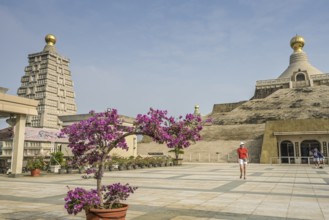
300, 77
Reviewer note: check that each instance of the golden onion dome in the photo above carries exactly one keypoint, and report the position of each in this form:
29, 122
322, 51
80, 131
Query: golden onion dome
297, 43
50, 39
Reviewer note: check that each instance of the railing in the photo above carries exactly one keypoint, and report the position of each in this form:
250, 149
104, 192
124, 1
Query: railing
272, 81
216, 157
320, 76
206, 157
295, 160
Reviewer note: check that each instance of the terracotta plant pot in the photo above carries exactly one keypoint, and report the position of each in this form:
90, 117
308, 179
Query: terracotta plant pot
105, 214
35, 172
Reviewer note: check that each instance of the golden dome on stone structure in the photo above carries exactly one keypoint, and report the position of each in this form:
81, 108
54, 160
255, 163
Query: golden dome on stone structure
297, 43
50, 39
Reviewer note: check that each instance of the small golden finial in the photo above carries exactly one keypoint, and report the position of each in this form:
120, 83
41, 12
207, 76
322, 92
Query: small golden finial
297, 43
50, 39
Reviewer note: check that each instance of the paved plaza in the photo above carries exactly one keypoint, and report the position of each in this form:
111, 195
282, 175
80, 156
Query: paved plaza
188, 192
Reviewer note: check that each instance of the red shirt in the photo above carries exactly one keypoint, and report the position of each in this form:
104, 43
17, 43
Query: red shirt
242, 152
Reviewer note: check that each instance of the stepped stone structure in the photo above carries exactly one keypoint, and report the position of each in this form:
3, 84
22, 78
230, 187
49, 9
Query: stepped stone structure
288, 108
47, 83
48, 79
285, 119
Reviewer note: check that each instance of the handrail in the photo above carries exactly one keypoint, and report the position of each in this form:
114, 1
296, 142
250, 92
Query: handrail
296, 160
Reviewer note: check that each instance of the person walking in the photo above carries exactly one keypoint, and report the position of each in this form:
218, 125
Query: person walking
316, 158
243, 159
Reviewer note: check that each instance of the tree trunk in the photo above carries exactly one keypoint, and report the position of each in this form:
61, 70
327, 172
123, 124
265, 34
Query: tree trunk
99, 182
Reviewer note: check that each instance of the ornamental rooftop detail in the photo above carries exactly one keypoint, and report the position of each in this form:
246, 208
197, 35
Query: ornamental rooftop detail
299, 60
299, 74
48, 80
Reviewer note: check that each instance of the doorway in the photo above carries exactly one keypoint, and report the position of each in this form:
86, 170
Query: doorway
287, 152
306, 149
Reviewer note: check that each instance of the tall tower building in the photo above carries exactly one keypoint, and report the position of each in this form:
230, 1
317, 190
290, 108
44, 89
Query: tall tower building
48, 79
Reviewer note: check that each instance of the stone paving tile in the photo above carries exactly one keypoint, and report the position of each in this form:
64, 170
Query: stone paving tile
134, 214
270, 211
191, 191
187, 218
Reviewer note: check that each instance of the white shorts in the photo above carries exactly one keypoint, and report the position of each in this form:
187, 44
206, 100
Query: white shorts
243, 161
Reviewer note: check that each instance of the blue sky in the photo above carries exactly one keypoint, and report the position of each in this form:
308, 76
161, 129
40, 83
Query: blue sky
133, 55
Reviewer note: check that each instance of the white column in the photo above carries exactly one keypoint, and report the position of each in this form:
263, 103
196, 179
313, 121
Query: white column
18, 145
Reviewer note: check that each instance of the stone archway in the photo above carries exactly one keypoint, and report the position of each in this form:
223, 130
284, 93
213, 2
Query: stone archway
306, 147
300, 77
287, 153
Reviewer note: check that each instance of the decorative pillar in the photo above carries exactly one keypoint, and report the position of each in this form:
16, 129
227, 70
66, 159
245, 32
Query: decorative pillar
278, 148
18, 146
297, 153
297, 149
324, 149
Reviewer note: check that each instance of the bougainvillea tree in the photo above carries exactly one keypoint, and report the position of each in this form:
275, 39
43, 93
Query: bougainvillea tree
92, 140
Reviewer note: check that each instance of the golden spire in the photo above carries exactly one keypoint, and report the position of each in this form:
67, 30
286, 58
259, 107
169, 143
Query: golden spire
50, 39
297, 43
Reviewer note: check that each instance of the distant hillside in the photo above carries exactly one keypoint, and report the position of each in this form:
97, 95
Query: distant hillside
301, 103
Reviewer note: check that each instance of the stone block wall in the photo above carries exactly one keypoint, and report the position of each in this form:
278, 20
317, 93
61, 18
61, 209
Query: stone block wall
226, 107
219, 144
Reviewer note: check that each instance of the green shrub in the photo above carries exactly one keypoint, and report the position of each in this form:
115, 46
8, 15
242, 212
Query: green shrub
57, 158
35, 163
